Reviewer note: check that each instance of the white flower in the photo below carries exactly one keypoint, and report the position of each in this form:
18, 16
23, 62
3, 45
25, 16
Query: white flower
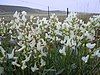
0, 42
15, 63
10, 32
52, 16
34, 68
27, 58
10, 56
32, 43
2, 51
20, 36
86, 33
85, 58
31, 17
16, 14
29, 36
47, 36
72, 35
39, 47
73, 43
58, 39
44, 20
96, 53
42, 62
43, 42
24, 62
23, 65
62, 51
24, 13
89, 36
17, 20
24, 18
43, 53
0, 20
90, 46
58, 26
23, 47
69, 43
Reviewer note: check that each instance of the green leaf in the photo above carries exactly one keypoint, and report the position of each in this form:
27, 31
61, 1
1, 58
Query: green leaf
59, 72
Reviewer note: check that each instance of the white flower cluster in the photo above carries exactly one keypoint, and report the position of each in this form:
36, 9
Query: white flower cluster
35, 37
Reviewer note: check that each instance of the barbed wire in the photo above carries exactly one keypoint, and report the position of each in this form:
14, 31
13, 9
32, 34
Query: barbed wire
33, 3
39, 4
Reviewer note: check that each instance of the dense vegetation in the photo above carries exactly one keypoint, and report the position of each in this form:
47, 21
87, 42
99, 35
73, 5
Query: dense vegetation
48, 47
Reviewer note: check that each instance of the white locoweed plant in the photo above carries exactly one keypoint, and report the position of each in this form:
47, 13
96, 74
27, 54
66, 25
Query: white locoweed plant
49, 47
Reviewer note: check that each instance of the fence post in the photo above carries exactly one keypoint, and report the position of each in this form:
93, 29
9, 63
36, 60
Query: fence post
48, 13
67, 12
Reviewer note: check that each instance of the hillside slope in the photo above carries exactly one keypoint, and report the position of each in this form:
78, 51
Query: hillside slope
9, 8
